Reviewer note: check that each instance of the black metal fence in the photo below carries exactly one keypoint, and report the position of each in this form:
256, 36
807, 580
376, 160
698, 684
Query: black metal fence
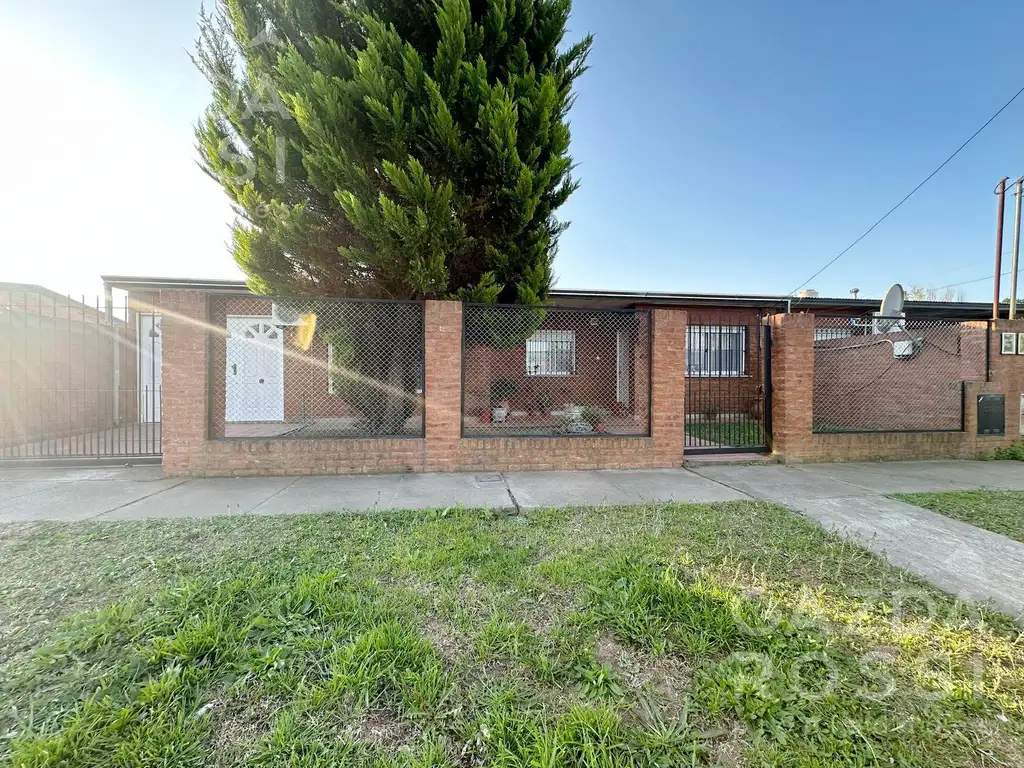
78, 379
316, 368
529, 371
891, 374
727, 382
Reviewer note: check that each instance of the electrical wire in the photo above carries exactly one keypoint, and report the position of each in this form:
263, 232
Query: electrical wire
909, 194
979, 279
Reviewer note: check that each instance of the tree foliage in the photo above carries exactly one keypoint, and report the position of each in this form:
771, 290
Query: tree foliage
392, 148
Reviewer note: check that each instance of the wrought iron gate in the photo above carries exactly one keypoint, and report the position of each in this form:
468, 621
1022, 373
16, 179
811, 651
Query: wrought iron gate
728, 382
78, 380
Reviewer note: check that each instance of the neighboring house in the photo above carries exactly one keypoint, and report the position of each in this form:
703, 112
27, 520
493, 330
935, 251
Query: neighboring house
71, 375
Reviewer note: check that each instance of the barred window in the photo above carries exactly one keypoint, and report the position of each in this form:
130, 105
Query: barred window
716, 350
551, 353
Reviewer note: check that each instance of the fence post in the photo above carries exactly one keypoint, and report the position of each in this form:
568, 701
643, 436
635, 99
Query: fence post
668, 385
792, 384
184, 372
442, 411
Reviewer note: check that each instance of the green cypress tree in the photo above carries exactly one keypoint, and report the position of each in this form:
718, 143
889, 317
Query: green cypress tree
392, 148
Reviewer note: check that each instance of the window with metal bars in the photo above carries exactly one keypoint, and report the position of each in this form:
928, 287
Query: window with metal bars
716, 351
551, 353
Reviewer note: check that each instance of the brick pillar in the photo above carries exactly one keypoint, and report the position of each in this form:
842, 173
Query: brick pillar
792, 384
668, 386
1008, 377
443, 406
184, 403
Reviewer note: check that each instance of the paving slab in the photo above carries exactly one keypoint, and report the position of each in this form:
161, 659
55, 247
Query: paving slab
356, 493
1001, 475
918, 476
558, 489
485, 490
204, 498
78, 501
967, 561
142, 473
10, 490
659, 485
533, 490
779, 483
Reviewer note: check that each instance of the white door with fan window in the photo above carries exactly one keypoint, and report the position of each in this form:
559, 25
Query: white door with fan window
255, 370
150, 351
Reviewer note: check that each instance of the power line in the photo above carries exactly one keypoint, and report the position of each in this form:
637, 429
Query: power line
968, 282
910, 194
978, 280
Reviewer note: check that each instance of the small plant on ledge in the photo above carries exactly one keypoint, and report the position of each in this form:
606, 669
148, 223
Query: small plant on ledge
596, 417
502, 390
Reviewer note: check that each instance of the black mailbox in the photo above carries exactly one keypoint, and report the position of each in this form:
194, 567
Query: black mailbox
991, 415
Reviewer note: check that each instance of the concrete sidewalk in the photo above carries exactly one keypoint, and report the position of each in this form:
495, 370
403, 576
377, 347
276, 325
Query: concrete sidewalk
142, 492
849, 498
131, 493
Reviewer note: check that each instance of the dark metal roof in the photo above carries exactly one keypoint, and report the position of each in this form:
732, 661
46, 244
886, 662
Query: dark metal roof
936, 309
135, 283
625, 299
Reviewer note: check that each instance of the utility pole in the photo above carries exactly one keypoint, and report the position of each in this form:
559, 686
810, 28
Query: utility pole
1016, 249
1001, 204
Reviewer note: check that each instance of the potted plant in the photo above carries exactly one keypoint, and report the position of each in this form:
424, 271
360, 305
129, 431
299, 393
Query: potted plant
502, 390
595, 417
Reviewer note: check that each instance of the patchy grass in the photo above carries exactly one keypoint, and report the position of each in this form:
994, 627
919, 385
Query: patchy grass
731, 433
671, 635
996, 511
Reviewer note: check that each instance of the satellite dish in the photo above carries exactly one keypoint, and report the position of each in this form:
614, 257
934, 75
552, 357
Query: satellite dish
890, 316
283, 314
892, 304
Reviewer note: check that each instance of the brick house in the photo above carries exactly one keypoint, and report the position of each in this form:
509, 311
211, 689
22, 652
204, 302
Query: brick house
665, 374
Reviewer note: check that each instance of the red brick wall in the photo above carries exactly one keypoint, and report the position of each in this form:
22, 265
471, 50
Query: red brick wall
184, 407
860, 385
793, 385
188, 451
593, 382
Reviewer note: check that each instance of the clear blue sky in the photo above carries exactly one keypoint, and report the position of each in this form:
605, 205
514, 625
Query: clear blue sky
726, 146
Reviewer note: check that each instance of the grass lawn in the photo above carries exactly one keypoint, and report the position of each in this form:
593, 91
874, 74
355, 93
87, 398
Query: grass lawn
724, 635
735, 434
997, 511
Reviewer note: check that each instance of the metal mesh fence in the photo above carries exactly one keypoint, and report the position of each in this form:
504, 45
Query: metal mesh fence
874, 374
316, 368
531, 371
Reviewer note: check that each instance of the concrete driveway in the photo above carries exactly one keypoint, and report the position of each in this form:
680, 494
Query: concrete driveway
849, 498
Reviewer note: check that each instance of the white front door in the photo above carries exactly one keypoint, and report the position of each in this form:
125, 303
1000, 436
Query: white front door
150, 361
255, 370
